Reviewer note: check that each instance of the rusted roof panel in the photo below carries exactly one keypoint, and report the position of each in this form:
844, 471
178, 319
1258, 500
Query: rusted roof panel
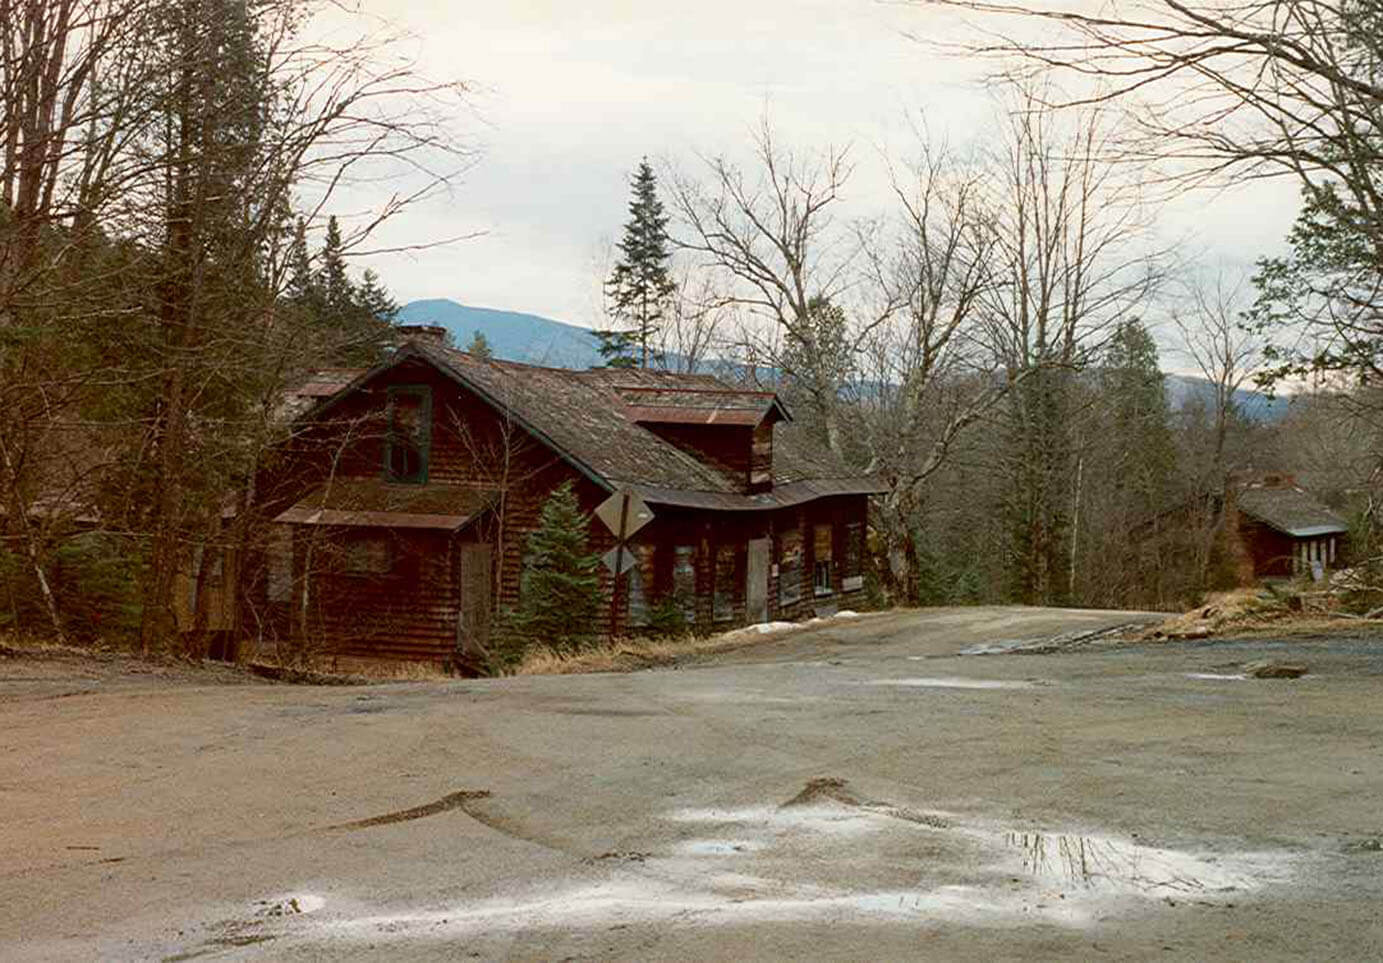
585, 418
659, 415
327, 516
598, 421
372, 502
782, 496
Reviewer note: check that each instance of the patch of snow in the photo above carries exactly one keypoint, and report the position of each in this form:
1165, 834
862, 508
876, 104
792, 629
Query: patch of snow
1068, 879
832, 819
768, 628
292, 904
1002, 647
1108, 865
719, 847
847, 614
1215, 675
954, 682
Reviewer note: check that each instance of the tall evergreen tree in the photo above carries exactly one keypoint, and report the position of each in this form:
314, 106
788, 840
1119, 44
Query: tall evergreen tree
560, 585
373, 300
1136, 391
302, 285
338, 293
639, 286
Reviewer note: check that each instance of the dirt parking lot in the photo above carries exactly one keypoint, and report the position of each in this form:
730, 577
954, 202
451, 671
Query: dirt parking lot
872, 788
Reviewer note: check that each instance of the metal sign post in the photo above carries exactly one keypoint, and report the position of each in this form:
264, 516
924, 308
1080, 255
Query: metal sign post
623, 513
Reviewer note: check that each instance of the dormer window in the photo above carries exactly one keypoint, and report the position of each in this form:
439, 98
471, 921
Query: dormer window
408, 439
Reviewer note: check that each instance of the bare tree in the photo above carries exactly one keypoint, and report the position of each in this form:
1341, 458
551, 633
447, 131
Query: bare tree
1210, 322
694, 330
1223, 89
923, 378
773, 236
1071, 260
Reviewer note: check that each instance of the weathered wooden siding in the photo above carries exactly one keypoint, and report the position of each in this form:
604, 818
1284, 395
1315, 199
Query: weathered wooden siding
727, 447
411, 612
407, 614
761, 458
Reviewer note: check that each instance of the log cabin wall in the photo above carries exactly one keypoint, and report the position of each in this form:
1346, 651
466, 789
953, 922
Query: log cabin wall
710, 533
378, 593
471, 447
1272, 552
411, 611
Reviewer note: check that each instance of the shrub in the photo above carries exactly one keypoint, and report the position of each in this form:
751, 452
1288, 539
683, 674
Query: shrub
559, 589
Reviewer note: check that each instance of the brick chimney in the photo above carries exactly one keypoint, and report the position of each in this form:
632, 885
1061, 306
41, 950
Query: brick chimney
433, 334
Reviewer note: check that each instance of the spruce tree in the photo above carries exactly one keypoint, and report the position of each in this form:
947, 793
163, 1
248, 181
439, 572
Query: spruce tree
338, 293
560, 593
302, 286
373, 300
479, 348
639, 286
618, 348
1137, 393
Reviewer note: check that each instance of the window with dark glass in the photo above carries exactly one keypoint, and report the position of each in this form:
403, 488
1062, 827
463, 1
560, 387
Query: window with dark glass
684, 581
408, 440
367, 556
640, 577
822, 572
790, 567
723, 601
852, 564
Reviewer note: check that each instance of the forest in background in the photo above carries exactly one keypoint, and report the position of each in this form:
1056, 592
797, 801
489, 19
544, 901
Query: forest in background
169, 267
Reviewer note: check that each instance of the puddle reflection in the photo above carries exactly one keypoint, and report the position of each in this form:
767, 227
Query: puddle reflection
1095, 863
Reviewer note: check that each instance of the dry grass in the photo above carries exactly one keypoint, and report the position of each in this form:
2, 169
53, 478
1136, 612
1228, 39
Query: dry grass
384, 671
630, 655
1255, 611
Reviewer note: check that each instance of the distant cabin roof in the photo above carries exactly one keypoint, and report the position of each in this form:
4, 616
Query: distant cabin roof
1290, 510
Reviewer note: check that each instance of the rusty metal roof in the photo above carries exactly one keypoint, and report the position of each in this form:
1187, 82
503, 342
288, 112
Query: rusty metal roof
370, 502
586, 419
780, 496
681, 404
1290, 510
596, 421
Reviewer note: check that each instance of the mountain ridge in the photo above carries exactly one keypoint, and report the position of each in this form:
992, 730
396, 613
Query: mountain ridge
535, 339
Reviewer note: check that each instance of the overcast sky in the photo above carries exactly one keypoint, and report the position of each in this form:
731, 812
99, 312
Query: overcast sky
569, 96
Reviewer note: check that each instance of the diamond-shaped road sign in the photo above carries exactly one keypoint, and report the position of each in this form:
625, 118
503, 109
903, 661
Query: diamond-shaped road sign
621, 556
627, 507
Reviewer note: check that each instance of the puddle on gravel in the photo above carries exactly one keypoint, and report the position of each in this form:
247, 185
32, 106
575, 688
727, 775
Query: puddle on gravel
831, 854
719, 847
1074, 862
954, 682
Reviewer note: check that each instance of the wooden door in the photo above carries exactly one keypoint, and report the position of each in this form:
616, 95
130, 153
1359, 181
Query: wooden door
473, 626
756, 581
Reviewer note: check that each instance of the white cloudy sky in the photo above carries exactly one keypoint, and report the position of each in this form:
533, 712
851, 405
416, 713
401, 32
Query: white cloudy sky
568, 96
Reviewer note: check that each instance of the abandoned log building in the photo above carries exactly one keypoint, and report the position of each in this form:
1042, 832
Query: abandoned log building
399, 511
1283, 531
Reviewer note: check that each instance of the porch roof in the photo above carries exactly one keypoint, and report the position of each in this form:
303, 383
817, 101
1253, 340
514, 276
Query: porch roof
374, 503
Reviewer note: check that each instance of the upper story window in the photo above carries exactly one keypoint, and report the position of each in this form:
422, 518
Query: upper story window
408, 439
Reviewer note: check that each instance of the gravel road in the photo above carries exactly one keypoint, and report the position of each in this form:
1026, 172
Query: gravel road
861, 789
